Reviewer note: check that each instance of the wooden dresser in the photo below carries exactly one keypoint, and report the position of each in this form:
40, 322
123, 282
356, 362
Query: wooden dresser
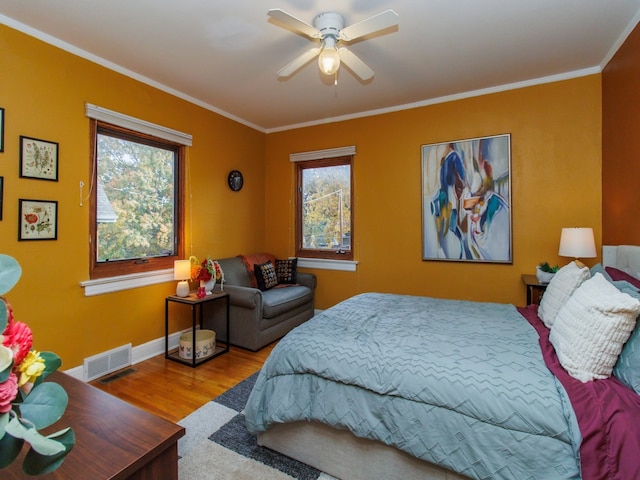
114, 440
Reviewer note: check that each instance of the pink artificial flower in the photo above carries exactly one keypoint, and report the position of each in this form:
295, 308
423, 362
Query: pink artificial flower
17, 337
8, 392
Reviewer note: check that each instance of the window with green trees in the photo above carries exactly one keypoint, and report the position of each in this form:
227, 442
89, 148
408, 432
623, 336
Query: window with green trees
323, 208
136, 221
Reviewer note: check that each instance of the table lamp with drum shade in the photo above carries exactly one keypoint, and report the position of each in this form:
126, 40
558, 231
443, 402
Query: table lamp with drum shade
182, 272
577, 242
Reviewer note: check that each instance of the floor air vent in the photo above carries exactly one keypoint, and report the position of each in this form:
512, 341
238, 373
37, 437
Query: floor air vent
117, 376
107, 362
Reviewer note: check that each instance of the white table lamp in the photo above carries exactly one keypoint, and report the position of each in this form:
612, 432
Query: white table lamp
577, 242
182, 272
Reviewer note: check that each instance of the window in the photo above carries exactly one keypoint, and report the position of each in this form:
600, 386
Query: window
324, 218
136, 201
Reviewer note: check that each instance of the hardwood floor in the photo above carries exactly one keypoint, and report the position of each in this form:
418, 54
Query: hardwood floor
172, 390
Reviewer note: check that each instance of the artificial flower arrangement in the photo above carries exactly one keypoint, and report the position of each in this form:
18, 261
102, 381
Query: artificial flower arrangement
27, 404
204, 272
545, 272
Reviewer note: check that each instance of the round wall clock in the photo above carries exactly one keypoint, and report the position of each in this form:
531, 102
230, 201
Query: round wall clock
235, 180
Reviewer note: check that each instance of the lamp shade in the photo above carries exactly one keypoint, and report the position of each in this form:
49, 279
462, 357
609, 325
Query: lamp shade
577, 242
181, 270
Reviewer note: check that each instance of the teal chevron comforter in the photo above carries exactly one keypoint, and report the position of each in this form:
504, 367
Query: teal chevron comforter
459, 384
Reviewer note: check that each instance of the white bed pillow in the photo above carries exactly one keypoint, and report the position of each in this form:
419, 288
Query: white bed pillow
592, 327
560, 288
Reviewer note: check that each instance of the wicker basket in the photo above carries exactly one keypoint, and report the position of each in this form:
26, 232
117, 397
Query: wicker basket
205, 344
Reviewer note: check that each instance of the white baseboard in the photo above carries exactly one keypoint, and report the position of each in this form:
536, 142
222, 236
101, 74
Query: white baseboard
139, 353
143, 352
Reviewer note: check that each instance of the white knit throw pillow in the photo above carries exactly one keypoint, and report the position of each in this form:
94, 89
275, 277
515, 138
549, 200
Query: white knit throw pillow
560, 288
592, 327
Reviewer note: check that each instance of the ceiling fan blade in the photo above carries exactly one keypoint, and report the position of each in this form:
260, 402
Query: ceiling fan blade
298, 62
294, 23
354, 64
377, 22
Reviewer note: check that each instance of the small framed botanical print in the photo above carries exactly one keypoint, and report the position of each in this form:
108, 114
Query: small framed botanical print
37, 219
38, 159
1, 129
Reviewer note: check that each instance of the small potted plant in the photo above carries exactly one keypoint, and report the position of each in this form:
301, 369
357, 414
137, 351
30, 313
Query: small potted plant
545, 272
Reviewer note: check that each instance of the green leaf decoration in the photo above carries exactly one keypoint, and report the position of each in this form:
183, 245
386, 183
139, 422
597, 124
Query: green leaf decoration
10, 272
4, 419
37, 464
43, 445
44, 405
51, 363
6, 363
9, 449
16, 428
4, 315
5, 374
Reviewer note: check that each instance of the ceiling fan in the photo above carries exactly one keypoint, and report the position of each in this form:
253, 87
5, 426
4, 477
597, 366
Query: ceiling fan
328, 27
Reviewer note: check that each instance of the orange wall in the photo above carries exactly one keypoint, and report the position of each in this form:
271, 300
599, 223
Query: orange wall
555, 169
556, 145
621, 144
44, 91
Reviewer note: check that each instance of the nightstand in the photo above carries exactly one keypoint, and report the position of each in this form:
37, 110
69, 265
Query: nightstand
535, 289
196, 304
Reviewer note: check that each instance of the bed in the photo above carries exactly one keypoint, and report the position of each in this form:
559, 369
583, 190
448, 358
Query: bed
391, 386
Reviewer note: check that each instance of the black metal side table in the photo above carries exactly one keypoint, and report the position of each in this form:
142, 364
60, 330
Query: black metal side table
197, 305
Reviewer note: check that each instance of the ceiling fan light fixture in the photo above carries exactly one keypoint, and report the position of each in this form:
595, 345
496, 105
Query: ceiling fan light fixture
328, 27
329, 60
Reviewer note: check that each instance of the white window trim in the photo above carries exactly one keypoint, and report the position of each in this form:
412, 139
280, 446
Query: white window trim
132, 123
320, 154
326, 264
322, 263
99, 286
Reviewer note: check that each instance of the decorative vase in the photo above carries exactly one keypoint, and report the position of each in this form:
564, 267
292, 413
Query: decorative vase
543, 277
208, 285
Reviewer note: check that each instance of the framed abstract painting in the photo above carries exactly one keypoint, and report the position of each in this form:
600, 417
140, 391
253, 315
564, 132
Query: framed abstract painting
466, 200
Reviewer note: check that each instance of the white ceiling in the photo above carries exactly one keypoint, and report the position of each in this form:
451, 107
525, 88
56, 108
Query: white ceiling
224, 55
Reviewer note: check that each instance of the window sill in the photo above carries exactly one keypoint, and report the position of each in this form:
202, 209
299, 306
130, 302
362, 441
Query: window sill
326, 264
125, 282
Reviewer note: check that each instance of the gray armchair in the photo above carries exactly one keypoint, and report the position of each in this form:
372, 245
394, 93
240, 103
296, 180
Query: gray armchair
261, 317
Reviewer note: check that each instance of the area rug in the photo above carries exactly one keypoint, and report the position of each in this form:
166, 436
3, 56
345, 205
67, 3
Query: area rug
218, 446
